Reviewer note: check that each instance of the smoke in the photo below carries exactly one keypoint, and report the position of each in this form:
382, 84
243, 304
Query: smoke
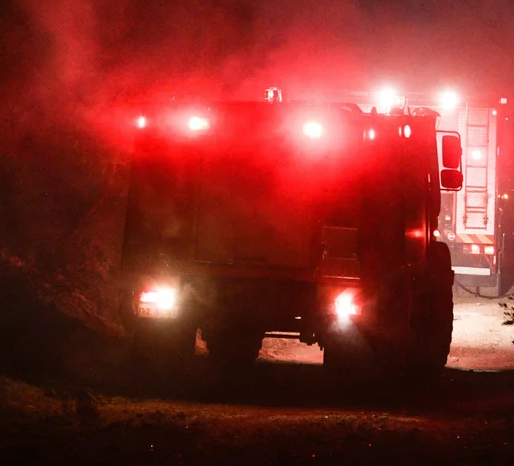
91, 58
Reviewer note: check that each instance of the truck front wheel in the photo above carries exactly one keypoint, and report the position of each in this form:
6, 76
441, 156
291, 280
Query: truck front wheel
162, 346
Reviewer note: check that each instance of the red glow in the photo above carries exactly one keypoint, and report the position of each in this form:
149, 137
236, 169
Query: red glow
407, 131
414, 233
437, 233
372, 134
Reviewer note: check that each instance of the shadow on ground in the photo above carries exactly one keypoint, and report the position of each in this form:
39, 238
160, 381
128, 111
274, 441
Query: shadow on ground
278, 384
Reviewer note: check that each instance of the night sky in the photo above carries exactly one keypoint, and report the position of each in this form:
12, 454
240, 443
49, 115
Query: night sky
86, 54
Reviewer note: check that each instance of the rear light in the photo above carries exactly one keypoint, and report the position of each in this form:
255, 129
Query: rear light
475, 249
345, 306
162, 298
371, 134
407, 131
313, 129
436, 233
141, 122
196, 123
489, 250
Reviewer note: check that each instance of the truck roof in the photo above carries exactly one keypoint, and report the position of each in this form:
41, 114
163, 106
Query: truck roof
249, 119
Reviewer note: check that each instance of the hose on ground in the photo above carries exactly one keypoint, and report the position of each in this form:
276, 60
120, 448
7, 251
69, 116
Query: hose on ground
476, 293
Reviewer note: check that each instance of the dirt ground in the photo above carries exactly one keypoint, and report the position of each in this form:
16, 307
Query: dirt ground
479, 342
284, 412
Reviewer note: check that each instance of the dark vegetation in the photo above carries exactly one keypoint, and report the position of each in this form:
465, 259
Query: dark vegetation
62, 200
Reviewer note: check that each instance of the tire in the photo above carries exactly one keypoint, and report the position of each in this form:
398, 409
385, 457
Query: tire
160, 347
434, 332
422, 355
346, 353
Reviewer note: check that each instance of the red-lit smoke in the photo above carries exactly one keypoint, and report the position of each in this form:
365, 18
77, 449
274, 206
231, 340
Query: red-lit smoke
91, 58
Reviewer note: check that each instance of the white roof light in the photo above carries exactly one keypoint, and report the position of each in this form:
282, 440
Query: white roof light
448, 100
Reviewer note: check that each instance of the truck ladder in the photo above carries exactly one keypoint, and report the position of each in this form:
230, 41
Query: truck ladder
476, 169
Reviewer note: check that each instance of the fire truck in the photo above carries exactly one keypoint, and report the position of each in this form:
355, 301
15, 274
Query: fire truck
475, 221
308, 220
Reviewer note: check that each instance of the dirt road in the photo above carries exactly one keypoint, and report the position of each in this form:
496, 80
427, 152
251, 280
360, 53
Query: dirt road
479, 342
284, 412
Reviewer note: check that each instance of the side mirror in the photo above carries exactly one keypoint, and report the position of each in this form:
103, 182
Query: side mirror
452, 152
451, 180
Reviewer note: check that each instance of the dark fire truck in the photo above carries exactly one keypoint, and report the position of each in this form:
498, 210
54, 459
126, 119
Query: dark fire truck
270, 218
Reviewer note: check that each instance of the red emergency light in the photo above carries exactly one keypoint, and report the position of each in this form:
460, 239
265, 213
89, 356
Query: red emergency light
198, 123
313, 129
141, 122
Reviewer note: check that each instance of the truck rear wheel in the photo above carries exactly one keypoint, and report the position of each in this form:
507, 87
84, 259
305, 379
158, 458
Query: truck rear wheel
346, 353
419, 351
433, 329
161, 346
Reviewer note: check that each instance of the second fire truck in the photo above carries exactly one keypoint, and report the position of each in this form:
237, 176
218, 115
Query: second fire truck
476, 222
